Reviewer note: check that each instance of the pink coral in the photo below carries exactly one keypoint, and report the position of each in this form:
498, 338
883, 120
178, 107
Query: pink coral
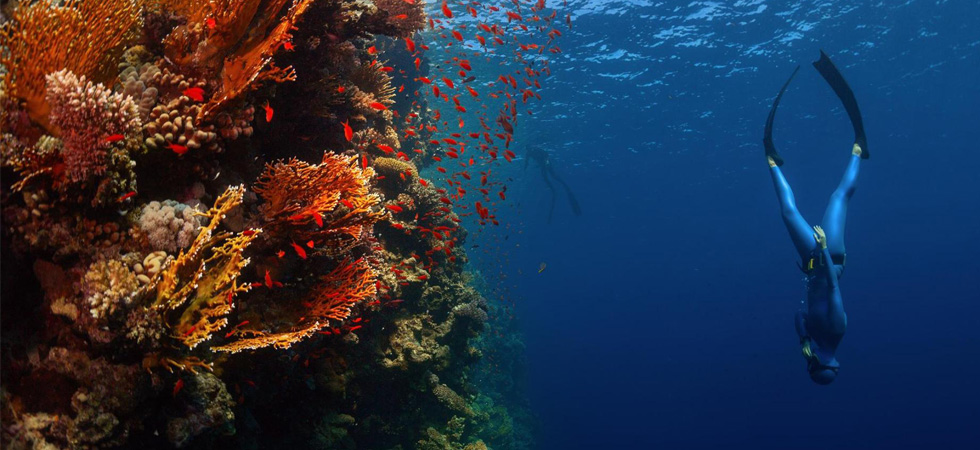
87, 114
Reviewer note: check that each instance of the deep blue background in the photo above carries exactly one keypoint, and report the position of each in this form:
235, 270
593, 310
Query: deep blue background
665, 314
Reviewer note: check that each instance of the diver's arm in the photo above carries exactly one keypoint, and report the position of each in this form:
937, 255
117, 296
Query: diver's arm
800, 323
827, 268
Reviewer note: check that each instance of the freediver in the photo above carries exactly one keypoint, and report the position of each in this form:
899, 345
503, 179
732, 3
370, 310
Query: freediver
823, 322
547, 173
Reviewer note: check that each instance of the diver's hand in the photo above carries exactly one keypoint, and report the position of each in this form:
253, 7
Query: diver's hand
820, 236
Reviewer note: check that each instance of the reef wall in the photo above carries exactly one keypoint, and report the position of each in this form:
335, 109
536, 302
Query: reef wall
215, 235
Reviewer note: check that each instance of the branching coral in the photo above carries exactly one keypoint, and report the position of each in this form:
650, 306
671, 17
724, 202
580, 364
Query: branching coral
49, 35
88, 114
330, 300
169, 116
374, 82
108, 285
204, 277
335, 193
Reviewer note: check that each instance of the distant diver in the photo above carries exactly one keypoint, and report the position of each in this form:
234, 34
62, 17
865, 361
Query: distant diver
821, 326
547, 173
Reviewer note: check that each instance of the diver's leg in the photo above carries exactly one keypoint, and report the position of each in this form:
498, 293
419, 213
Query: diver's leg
799, 231
568, 191
835, 216
551, 187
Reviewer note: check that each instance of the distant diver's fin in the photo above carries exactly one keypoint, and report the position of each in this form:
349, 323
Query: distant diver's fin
572, 201
767, 140
836, 81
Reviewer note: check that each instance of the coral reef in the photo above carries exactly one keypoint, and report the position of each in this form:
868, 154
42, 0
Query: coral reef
230, 224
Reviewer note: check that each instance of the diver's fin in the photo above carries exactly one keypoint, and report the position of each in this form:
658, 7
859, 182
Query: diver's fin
767, 140
836, 81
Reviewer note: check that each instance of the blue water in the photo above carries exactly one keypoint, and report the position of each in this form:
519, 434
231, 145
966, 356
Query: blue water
664, 317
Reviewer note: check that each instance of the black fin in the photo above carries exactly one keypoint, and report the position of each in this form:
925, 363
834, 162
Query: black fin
767, 139
836, 81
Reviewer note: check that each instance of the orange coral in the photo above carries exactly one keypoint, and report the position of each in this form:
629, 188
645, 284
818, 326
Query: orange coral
232, 41
44, 37
206, 275
331, 299
299, 196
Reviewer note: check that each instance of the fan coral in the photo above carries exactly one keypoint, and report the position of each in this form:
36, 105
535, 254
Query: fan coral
335, 193
169, 226
205, 277
48, 35
237, 50
331, 299
87, 113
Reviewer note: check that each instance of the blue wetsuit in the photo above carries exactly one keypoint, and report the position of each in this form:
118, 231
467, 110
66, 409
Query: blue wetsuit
823, 322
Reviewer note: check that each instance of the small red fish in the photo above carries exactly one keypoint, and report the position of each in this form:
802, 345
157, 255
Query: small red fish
446, 11
268, 112
194, 93
114, 138
378, 106
288, 46
348, 132
177, 148
178, 386
300, 251
126, 196
268, 280
210, 23
309, 243
410, 45
340, 89
371, 50
394, 208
